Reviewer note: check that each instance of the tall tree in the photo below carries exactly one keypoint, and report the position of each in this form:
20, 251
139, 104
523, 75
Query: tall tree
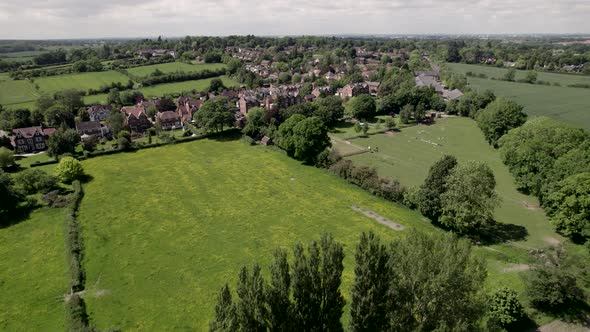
436, 284
499, 117
278, 294
368, 308
428, 198
9, 197
225, 313
250, 308
470, 197
62, 141
362, 107
569, 206
214, 115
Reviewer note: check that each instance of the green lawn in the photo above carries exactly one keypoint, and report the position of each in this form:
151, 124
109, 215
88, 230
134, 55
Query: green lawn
14, 92
168, 88
82, 81
183, 219
172, 67
33, 273
570, 105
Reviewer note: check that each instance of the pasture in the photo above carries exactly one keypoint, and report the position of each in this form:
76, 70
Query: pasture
81, 81
33, 273
183, 219
172, 67
167, 88
570, 105
14, 92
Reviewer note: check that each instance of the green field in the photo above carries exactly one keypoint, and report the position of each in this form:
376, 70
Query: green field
82, 81
33, 273
172, 67
14, 92
183, 219
167, 88
570, 105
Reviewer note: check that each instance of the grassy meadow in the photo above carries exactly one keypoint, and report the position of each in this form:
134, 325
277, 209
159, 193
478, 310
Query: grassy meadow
81, 81
567, 104
183, 219
33, 273
14, 92
167, 88
172, 67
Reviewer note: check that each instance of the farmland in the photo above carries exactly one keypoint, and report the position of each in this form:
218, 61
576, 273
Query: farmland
218, 205
82, 81
567, 104
167, 88
13, 92
172, 67
33, 273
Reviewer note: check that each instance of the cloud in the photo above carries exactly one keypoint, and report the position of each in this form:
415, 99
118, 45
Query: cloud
131, 18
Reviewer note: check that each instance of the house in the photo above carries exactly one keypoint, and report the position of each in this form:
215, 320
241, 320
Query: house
187, 107
452, 94
373, 87
266, 140
90, 128
168, 120
322, 91
136, 119
99, 112
31, 139
247, 102
353, 90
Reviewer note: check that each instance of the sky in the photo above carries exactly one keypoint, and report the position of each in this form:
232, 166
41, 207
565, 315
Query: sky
46, 19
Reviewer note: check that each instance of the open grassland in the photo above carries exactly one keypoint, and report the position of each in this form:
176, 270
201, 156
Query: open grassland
183, 219
33, 273
15, 92
168, 88
82, 81
172, 67
570, 105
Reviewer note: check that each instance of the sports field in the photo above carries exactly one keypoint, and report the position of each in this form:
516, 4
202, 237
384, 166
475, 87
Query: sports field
168, 88
183, 219
567, 104
33, 273
172, 67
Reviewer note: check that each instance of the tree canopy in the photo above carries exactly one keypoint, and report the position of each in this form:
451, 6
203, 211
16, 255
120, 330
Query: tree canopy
500, 116
362, 107
214, 115
303, 138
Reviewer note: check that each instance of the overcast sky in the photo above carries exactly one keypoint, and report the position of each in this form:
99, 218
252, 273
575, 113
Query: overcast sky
138, 18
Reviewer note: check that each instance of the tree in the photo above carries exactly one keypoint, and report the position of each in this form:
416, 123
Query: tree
6, 158
365, 128
362, 107
116, 122
368, 308
329, 109
216, 85
470, 198
89, 143
14, 118
390, 123
569, 206
250, 308
531, 76
151, 111
62, 141
436, 283
71, 100
57, 115
317, 301
214, 115
9, 197
69, 169
255, 122
278, 294
124, 140
505, 308
165, 104
34, 180
303, 138
510, 75
428, 197
406, 113
499, 117
225, 313
114, 97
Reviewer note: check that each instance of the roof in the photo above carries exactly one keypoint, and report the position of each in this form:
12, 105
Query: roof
30, 131
265, 140
88, 125
452, 95
136, 111
168, 115
99, 108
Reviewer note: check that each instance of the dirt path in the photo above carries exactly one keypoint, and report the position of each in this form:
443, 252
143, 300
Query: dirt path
347, 142
380, 219
559, 326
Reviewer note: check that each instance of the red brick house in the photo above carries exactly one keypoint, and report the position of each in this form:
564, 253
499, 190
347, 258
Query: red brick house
246, 103
31, 139
187, 107
353, 90
168, 120
136, 119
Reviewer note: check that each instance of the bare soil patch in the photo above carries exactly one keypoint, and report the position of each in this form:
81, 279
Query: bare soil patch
380, 219
560, 326
552, 241
530, 206
516, 268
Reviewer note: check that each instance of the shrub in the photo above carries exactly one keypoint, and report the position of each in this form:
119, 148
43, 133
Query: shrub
505, 308
550, 288
34, 180
6, 158
69, 169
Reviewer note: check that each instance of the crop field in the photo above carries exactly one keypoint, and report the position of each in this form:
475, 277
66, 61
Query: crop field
82, 81
167, 88
172, 67
158, 257
33, 273
570, 105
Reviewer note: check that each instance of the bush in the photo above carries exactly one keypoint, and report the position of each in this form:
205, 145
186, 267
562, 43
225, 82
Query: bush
550, 288
6, 158
34, 180
505, 308
69, 169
